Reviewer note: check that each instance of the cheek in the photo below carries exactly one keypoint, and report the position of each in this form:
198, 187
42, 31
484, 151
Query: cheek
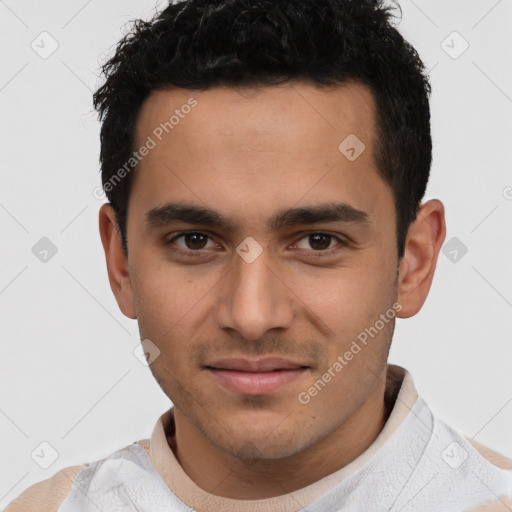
166, 292
165, 313
161, 304
347, 299
173, 306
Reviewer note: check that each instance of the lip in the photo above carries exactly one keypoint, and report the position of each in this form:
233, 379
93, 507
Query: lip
255, 377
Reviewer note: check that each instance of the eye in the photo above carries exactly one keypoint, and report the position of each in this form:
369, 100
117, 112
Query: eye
318, 242
195, 243
191, 241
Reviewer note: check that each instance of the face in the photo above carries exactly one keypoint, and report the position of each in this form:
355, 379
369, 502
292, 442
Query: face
259, 252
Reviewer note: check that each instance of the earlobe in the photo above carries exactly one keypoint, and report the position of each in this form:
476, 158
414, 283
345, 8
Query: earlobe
424, 240
117, 264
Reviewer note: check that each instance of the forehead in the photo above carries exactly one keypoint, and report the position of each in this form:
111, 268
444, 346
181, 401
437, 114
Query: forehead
258, 149
261, 111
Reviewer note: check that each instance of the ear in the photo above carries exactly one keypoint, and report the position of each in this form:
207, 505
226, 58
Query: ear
117, 264
423, 243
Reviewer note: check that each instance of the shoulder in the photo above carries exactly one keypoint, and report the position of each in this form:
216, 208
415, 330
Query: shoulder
457, 448
48, 495
502, 502
466, 476
495, 458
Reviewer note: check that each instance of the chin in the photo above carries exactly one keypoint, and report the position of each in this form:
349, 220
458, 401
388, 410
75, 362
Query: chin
260, 449
261, 443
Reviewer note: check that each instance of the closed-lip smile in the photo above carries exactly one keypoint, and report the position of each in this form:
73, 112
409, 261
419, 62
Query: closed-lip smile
255, 376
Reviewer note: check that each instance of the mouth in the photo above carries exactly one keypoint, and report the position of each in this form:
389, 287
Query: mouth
255, 377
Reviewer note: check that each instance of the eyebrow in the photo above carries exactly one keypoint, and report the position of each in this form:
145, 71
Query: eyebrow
177, 212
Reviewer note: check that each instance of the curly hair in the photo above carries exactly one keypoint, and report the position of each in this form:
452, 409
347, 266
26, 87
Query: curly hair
199, 44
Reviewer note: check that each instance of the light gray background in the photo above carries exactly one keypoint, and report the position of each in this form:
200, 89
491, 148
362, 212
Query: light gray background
68, 373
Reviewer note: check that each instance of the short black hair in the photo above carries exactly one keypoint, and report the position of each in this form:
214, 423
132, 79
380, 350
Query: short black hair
200, 44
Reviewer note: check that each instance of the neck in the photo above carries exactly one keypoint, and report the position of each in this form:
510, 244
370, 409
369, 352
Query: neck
223, 475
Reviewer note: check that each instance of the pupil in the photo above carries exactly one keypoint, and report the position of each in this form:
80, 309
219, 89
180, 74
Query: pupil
316, 241
193, 241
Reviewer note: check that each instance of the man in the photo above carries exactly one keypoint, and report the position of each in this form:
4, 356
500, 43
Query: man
264, 163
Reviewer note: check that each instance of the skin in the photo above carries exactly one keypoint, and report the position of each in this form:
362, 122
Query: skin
249, 154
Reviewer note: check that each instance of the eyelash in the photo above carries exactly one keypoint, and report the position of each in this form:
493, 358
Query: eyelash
313, 254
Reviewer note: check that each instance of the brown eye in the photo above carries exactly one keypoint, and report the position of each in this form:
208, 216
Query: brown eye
191, 241
195, 240
318, 242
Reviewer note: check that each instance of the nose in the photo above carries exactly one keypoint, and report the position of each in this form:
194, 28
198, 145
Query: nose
253, 299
